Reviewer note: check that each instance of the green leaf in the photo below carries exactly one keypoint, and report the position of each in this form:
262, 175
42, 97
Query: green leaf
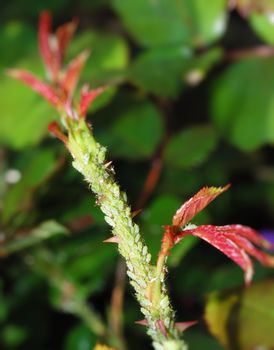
199, 66
190, 147
161, 211
263, 25
87, 261
42, 232
165, 22
200, 340
16, 40
242, 103
243, 319
13, 335
160, 70
37, 167
24, 115
86, 206
180, 250
136, 133
80, 338
109, 57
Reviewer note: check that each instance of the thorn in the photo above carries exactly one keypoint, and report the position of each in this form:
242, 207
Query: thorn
135, 213
113, 239
108, 164
142, 322
182, 326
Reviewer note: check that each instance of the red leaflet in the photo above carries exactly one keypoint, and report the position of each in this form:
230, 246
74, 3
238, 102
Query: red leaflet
72, 73
247, 232
48, 53
235, 241
55, 129
236, 244
87, 97
59, 93
195, 204
37, 85
53, 46
64, 34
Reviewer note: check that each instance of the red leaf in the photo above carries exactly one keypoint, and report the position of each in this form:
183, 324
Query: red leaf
243, 243
55, 129
37, 85
72, 73
64, 34
247, 232
195, 204
49, 55
87, 97
231, 244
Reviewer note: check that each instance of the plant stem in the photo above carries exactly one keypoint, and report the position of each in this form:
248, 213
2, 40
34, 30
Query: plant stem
71, 300
89, 158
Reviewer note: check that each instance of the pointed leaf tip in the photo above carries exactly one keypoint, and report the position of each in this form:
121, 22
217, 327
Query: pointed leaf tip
36, 84
196, 203
64, 34
48, 53
72, 73
87, 97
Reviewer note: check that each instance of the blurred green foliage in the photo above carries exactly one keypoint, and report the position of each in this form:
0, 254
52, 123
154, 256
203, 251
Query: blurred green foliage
191, 84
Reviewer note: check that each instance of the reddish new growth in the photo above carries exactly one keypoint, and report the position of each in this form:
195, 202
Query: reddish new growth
236, 241
62, 79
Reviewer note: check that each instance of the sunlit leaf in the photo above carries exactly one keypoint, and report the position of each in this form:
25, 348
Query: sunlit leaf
263, 25
243, 319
